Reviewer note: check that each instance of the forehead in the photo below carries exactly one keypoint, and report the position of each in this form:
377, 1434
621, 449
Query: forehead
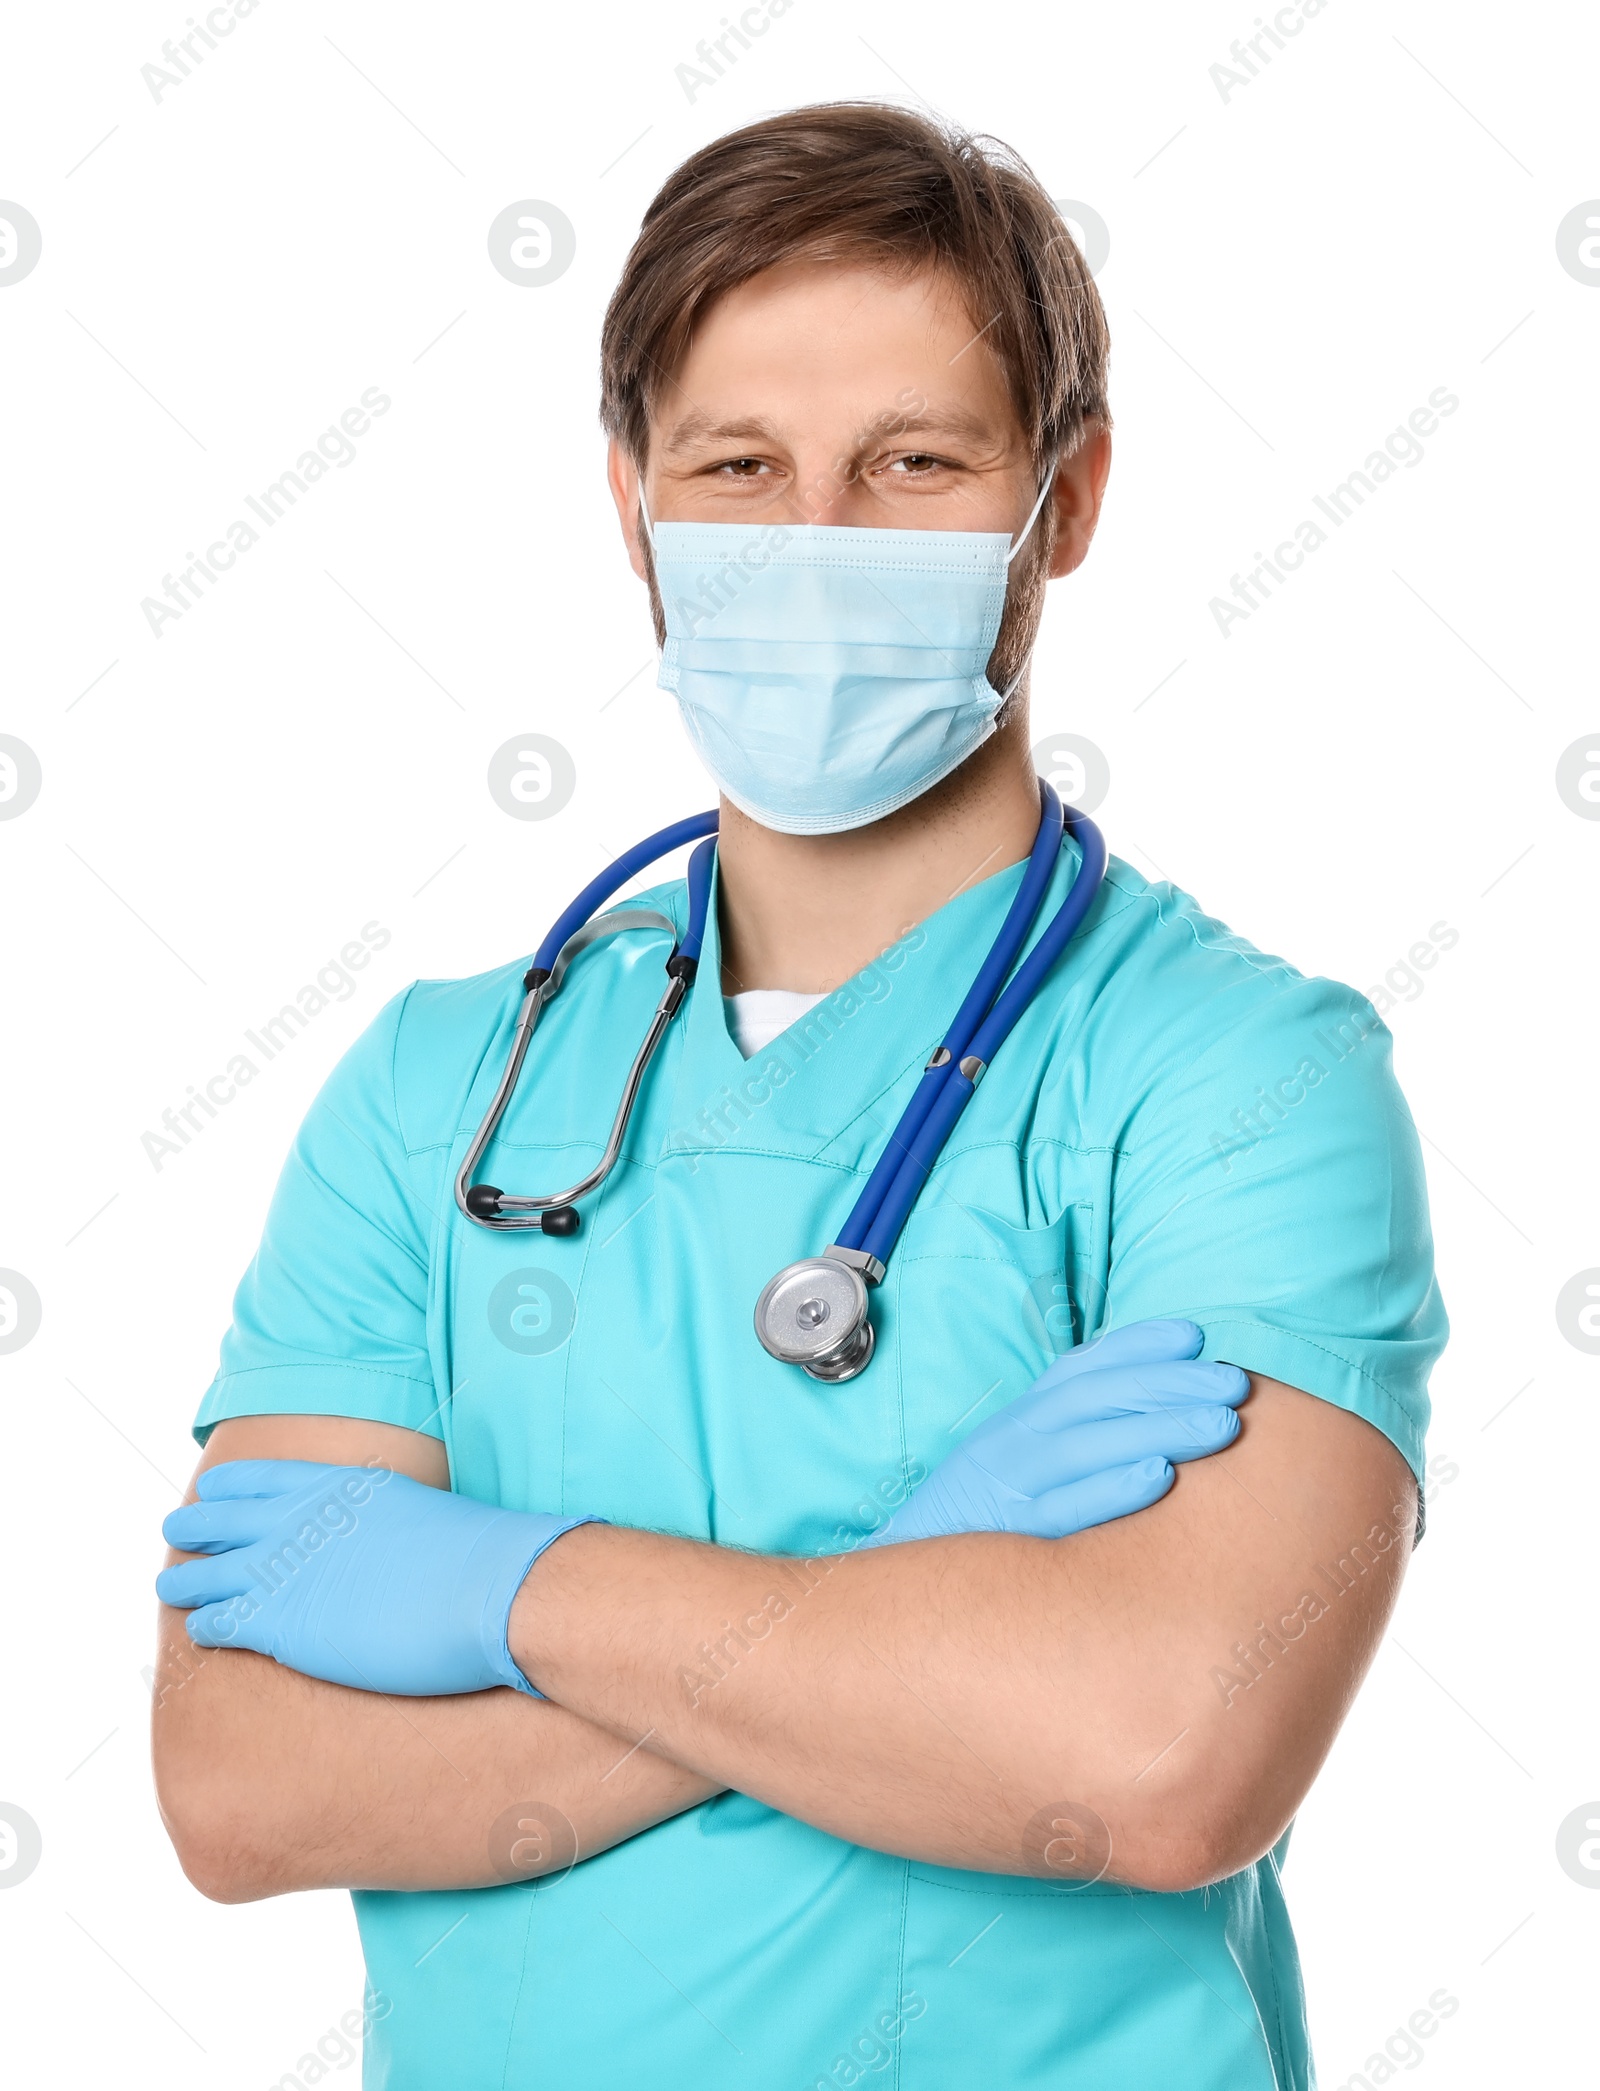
813, 344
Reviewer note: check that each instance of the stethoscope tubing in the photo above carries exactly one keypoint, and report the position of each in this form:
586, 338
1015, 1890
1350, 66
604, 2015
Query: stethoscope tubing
1014, 933
600, 889
919, 1147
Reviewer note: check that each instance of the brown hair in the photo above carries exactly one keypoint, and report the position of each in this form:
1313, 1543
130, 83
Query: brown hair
869, 181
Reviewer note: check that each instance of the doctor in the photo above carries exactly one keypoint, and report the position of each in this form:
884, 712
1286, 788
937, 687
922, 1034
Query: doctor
677, 1717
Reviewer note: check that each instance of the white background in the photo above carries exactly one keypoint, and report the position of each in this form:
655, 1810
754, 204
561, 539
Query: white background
1292, 270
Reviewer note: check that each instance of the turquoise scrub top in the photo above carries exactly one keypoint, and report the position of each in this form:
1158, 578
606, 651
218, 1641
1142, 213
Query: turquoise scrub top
1179, 1125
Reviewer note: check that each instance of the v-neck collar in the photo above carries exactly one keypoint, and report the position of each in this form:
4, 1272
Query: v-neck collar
841, 1062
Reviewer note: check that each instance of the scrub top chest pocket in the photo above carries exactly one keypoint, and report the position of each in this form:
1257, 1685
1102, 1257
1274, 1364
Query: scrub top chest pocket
982, 1300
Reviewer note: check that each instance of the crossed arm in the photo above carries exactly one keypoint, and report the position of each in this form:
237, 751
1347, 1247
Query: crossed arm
1181, 1672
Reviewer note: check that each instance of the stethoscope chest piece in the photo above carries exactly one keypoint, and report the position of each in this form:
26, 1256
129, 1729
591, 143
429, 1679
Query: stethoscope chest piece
814, 1314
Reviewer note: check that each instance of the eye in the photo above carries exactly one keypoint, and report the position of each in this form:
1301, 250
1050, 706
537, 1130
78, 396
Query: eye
740, 467
916, 464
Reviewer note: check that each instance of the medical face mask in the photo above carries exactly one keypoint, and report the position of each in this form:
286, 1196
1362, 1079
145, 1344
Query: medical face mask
827, 675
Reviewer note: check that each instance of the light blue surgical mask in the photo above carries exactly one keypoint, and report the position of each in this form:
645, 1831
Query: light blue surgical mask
827, 676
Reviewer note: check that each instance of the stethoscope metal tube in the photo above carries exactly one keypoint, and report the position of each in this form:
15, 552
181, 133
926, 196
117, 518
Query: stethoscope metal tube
572, 931
554, 1214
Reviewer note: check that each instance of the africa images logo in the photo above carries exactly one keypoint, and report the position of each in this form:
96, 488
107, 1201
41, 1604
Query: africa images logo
335, 982
334, 448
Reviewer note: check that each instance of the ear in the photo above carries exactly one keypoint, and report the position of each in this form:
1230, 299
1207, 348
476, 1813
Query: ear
1080, 485
623, 479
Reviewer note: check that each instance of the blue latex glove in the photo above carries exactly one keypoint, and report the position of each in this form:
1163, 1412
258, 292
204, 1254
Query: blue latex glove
1095, 1437
355, 1574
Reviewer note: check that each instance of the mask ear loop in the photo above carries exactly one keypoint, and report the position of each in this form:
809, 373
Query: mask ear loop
1033, 514
1022, 538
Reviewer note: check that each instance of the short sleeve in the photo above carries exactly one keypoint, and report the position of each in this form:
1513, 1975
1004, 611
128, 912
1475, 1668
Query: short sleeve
331, 1316
1270, 1188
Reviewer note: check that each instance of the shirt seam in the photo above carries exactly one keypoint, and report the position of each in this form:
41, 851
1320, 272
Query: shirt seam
341, 1197
522, 1983
951, 1153
394, 1068
1004, 1263
1041, 1893
1283, 2050
1175, 923
324, 1364
1033, 1140
1311, 1343
900, 1966
413, 1154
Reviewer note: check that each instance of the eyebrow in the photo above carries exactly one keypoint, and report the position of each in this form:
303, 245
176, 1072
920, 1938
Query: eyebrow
698, 427
948, 421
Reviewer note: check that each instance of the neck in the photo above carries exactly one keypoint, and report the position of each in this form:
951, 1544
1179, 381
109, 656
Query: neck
807, 912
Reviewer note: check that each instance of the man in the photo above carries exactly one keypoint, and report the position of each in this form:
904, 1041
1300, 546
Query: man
924, 1718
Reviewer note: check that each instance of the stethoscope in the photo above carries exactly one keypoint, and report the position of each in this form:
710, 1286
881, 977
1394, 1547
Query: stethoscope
814, 1313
